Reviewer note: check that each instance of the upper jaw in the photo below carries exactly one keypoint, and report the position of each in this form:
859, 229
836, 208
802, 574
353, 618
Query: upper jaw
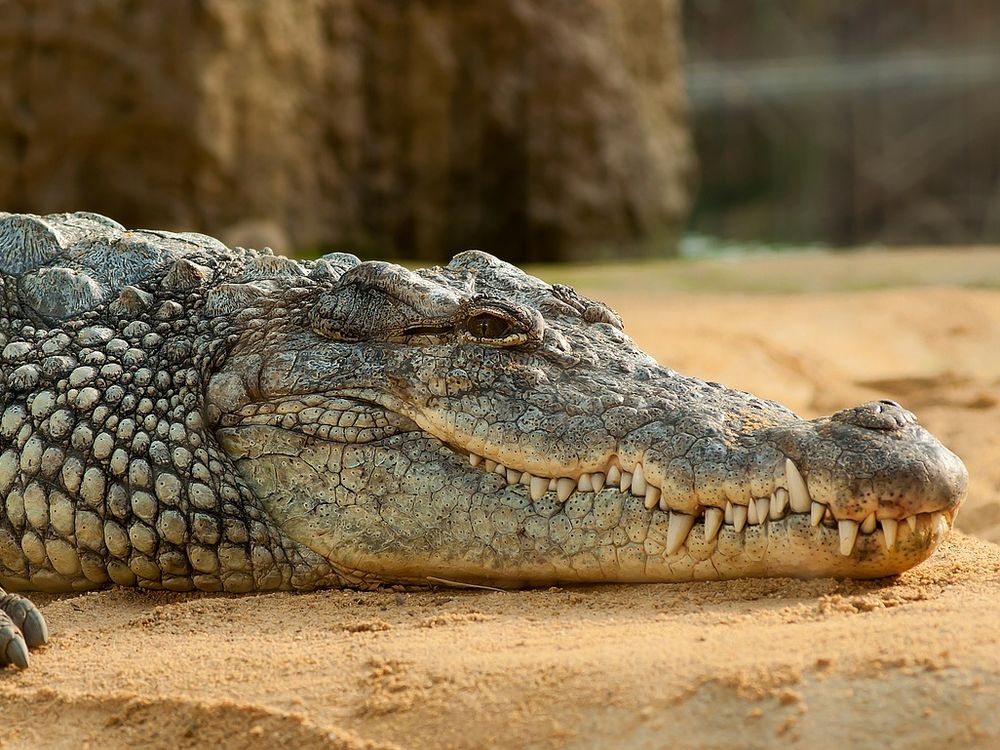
860, 470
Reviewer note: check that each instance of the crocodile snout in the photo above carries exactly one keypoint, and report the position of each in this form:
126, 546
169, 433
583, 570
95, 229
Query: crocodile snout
875, 458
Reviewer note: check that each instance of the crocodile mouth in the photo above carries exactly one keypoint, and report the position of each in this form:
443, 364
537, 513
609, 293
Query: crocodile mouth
789, 501
884, 541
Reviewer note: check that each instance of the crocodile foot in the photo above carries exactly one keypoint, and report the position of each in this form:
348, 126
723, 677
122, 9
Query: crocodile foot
21, 627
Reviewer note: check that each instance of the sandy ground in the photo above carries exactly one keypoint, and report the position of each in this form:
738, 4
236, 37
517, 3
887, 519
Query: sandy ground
912, 662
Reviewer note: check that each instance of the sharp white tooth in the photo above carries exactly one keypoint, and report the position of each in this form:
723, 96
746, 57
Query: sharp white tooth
638, 481
501, 470
652, 497
729, 513
513, 476
939, 524
798, 495
911, 521
816, 513
752, 512
564, 488
584, 484
475, 460
614, 474
739, 517
597, 479
889, 532
526, 478
490, 465
625, 483
539, 486
713, 521
779, 501
678, 530
869, 524
848, 535
763, 506
552, 484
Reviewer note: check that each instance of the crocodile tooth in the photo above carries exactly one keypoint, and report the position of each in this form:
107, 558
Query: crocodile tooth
848, 536
539, 486
939, 524
763, 506
513, 476
779, 501
491, 465
552, 484
526, 479
752, 512
475, 460
739, 517
625, 483
713, 521
889, 532
911, 521
798, 495
584, 483
652, 497
597, 479
564, 488
678, 530
869, 524
638, 481
614, 474
816, 513
729, 513
501, 470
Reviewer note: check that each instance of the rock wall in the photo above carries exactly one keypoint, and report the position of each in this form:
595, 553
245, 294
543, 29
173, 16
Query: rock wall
535, 129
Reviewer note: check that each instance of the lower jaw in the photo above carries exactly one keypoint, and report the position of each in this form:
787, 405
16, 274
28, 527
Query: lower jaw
789, 547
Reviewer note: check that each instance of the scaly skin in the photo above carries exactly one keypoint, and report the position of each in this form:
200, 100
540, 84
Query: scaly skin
177, 414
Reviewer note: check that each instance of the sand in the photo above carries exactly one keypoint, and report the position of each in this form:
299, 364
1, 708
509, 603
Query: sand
909, 662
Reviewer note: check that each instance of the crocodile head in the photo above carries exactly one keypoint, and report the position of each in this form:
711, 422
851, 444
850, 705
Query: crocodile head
475, 424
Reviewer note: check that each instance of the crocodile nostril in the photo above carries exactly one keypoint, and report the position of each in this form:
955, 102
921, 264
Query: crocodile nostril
877, 415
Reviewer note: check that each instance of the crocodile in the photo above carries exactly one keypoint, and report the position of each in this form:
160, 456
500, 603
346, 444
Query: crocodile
177, 414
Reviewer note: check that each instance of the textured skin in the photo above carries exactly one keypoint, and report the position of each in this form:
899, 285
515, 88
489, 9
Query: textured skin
177, 414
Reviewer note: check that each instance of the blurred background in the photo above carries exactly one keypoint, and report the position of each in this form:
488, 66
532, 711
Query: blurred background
540, 130
847, 123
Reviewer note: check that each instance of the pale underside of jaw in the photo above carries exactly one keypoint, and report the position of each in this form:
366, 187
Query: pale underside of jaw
792, 498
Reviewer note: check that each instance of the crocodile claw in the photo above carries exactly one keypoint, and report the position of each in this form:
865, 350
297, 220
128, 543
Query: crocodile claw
21, 627
14, 649
34, 629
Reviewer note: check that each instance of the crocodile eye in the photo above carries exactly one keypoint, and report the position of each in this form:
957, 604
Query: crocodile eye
488, 326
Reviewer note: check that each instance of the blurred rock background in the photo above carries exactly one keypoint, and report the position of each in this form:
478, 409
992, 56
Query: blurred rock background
847, 122
540, 130
537, 130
